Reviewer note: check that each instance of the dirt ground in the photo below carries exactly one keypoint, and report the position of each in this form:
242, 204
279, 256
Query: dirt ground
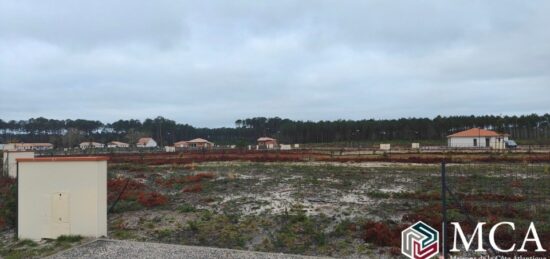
339, 209
311, 208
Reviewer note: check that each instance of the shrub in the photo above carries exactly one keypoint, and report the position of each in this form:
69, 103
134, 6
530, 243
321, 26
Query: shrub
197, 187
198, 177
69, 238
115, 186
27, 242
381, 234
193, 225
152, 199
186, 208
8, 202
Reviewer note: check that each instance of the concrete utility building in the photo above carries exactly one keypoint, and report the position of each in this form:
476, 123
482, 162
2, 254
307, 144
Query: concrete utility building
146, 142
266, 143
10, 161
62, 196
477, 138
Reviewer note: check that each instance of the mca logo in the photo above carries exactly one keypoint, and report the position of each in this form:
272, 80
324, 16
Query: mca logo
419, 241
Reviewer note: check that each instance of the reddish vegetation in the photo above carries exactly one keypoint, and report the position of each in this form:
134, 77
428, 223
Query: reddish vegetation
152, 199
499, 211
169, 183
308, 155
5, 184
419, 196
197, 187
430, 215
395, 251
198, 177
516, 184
381, 234
132, 191
492, 197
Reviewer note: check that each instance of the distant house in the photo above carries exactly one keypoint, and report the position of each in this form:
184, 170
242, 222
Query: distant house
477, 137
91, 144
27, 146
267, 143
181, 144
117, 144
146, 142
200, 143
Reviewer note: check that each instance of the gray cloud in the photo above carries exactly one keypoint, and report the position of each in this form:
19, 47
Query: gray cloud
209, 63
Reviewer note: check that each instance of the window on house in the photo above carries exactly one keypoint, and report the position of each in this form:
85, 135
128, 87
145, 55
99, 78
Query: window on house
475, 142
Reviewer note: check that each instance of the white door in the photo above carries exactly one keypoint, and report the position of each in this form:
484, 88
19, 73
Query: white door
60, 220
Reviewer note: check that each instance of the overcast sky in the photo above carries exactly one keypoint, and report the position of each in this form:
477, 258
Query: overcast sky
208, 64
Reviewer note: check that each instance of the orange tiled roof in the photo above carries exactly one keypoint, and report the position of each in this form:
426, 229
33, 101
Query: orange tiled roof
477, 132
65, 159
198, 140
143, 141
118, 143
266, 139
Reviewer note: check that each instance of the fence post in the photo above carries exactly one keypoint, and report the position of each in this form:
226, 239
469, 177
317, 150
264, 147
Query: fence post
443, 211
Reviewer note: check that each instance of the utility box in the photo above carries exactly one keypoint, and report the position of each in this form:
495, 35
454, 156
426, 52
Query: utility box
62, 196
10, 161
285, 147
385, 146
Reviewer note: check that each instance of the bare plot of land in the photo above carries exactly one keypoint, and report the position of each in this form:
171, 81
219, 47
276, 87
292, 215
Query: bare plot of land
311, 208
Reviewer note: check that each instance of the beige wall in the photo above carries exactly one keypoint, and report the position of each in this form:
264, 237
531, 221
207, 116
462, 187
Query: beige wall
468, 142
385, 146
62, 198
10, 162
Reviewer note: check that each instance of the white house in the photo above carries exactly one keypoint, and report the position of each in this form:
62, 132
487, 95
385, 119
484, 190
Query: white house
195, 143
181, 144
10, 161
62, 196
27, 146
91, 144
477, 137
117, 144
146, 142
267, 143
200, 143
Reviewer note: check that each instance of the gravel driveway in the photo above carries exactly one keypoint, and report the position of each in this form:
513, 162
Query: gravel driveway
106, 248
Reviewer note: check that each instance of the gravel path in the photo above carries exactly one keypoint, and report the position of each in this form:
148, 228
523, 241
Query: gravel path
106, 248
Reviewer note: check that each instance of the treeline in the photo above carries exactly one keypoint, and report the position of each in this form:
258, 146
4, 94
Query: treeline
69, 133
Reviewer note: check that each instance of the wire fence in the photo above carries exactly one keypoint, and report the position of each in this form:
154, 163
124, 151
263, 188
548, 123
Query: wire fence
493, 193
